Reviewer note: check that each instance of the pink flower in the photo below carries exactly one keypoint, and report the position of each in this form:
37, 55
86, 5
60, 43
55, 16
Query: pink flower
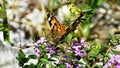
50, 49
68, 65
78, 48
42, 40
81, 53
113, 61
83, 43
37, 52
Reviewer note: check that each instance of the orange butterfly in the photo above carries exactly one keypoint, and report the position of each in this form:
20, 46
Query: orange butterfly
57, 28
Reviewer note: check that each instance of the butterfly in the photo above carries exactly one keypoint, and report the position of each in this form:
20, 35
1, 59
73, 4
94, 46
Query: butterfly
60, 31
57, 29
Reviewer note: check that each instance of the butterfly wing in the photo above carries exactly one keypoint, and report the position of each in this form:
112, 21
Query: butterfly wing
57, 29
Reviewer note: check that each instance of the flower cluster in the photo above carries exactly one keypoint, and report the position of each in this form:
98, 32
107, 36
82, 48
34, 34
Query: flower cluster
41, 41
68, 65
50, 49
37, 51
114, 62
78, 48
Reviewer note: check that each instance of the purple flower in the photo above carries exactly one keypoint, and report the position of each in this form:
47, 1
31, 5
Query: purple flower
113, 61
83, 43
117, 66
77, 66
50, 49
68, 65
107, 65
75, 43
78, 48
81, 53
37, 52
66, 57
42, 40
68, 50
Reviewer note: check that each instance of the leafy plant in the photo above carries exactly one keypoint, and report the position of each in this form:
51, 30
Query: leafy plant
5, 22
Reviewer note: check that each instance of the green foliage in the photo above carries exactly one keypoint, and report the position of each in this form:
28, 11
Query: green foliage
75, 12
52, 4
5, 23
114, 40
30, 66
94, 4
1, 27
32, 57
69, 38
61, 66
43, 60
1, 12
39, 64
86, 7
22, 59
51, 66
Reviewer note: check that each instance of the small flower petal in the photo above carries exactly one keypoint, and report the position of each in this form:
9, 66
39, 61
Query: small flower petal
81, 53
52, 52
68, 65
37, 52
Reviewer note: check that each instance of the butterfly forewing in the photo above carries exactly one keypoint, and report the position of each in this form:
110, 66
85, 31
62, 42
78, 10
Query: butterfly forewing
57, 29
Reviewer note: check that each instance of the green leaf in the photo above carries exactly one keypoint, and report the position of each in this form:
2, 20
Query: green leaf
51, 66
69, 37
80, 63
52, 4
43, 46
30, 66
39, 64
99, 2
32, 56
55, 56
86, 28
21, 55
44, 60
66, 60
45, 57
43, 51
22, 59
62, 66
